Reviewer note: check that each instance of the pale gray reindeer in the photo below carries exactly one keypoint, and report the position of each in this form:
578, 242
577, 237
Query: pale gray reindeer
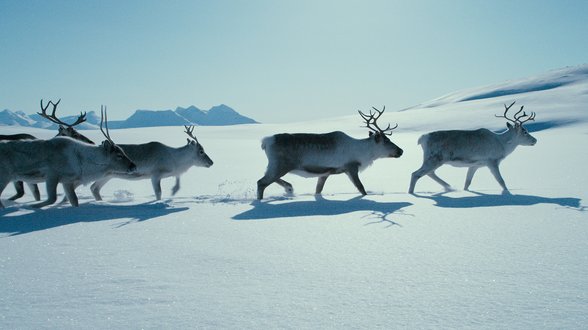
156, 161
64, 129
321, 155
473, 149
19, 185
61, 160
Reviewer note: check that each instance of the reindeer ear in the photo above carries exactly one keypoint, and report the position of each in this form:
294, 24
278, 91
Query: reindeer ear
371, 133
509, 125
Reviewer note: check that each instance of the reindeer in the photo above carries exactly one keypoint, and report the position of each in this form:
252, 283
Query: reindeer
61, 160
18, 185
320, 155
65, 129
473, 149
156, 161
15, 137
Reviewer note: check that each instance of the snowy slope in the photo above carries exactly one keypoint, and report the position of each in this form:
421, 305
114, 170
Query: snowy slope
212, 257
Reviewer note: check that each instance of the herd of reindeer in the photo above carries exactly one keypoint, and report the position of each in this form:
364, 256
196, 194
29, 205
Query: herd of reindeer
72, 159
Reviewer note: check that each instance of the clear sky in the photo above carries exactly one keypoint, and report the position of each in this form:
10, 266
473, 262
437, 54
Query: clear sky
278, 60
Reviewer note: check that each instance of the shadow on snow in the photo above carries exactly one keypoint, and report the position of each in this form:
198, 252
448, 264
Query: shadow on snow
48, 218
485, 200
320, 206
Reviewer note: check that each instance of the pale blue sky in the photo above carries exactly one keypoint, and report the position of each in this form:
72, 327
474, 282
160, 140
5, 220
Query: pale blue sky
275, 61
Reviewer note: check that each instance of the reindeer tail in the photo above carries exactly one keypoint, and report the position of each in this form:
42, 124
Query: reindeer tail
266, 142
423, 139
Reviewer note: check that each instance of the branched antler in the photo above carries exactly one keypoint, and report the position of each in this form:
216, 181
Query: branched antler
104, 119
54, 119
189, 131
518, 118
371, 121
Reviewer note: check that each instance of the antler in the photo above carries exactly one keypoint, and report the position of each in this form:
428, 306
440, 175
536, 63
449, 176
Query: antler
189, 131
53, 118
104, 119
518, 118
371, 121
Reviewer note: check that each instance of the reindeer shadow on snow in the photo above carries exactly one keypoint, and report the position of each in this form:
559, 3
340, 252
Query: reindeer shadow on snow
38, 220
321, 207
488, 200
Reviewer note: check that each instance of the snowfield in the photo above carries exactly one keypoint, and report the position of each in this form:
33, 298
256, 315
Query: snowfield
213, 257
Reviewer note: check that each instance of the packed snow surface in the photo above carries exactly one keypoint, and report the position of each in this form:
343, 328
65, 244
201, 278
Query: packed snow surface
213, 257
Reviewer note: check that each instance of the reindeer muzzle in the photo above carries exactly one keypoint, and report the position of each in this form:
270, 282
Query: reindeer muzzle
397, 154
132, 168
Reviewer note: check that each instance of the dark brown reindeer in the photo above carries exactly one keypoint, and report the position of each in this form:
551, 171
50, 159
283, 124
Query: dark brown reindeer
473, 149
321, 155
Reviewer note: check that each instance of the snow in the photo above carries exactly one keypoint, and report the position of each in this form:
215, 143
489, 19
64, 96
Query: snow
212, 257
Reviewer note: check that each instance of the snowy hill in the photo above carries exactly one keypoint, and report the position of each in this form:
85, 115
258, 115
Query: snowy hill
147, 118
558, 97
217, 116
213, 257
220, 115
8, 117
554, 79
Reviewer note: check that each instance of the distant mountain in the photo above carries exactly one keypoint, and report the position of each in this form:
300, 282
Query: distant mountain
220, 115
150, 118
217, 116
19, 118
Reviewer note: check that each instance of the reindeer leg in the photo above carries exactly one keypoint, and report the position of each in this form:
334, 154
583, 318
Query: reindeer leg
176, 186
427, 167
320, 184
496, 172
70, 193
273, 174
471, 171
96, 186
353, 174
35, 189
156, 183
431, 162
286, 185
437, 179
19, 187
3, 184
51, 185
267, 180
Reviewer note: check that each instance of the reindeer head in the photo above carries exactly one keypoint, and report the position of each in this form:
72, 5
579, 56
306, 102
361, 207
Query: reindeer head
65, 129
200, 157
515, 125
115, 154
385, 147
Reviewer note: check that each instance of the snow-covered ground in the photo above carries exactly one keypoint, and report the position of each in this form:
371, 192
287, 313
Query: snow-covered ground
211, 257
